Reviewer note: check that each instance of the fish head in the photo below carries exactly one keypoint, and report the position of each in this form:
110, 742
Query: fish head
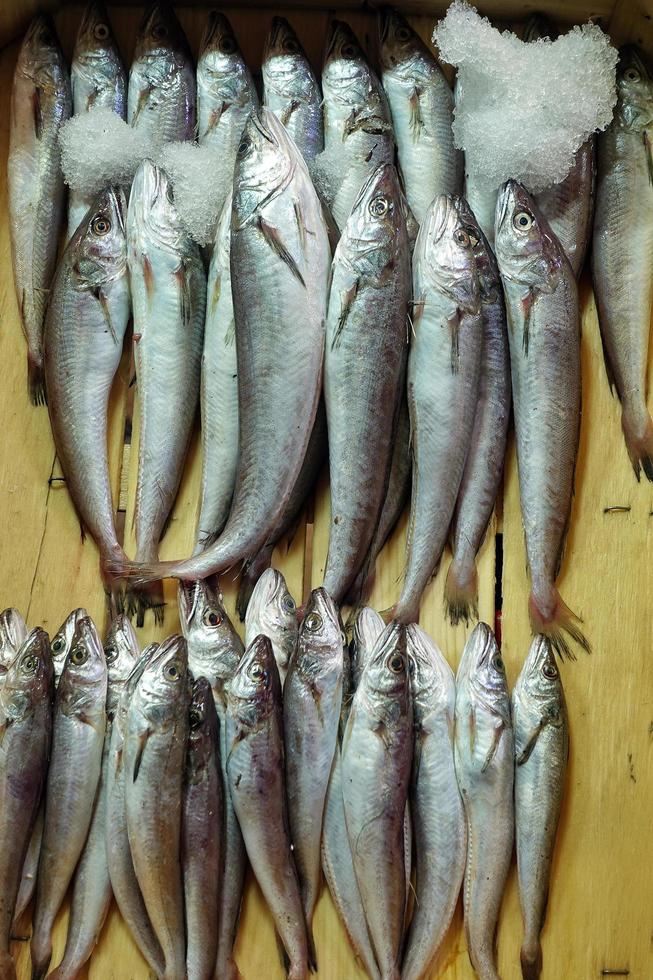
95, 44
152, 218
131, 683
29, 679
368, 626
121, 652
41, 58
63, 639
385, 678
163, 686
85, 665
214, 646
272, 610
528, 252
265, 162
346, 74
160, 36
634, 89
13, 632
445, 255
538, 27
539, 681
321, 637
285, 65
487, 269
254, 692
374, 237
431, 677
221, 67
402, 49
482, 670
98, 249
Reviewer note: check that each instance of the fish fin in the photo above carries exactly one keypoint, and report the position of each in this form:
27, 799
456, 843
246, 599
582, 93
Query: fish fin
638, 443
215, 117
292, 106
142, 573
185, 295
531, 960
273, 239
492, 751
215, 295
283, 955
143, 97
416, 118
142, 742
608, 366
527, 751
472, 729
555, 624
36, 382
527, 305
649, 156
312, 955
37, 112
100, 296
461, 592
453, 322
148, 276
146, 597
301, 227
347, 297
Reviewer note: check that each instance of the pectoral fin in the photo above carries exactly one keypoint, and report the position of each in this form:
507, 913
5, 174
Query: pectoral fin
142, 742
106, 312
498, 732
347, 297
273, 239
37, 113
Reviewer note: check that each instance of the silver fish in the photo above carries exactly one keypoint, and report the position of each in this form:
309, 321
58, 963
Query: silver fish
443, 370
290, 88
62, 641
255, 766
154, 753
84, 331
98, 81
622, 251
483, 746
421, 103
273, 613
79, 723
40, 104
367, 628
435, 805
539, 716
540, 289
312, 700
364, 365
161, 98
13, 633
485, 460
375, 779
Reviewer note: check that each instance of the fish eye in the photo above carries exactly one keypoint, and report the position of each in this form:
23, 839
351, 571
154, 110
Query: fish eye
227, 45
58, 644
211, 618
550, 670
29, 664
243, 147
402, 34
101, 226
194, 718
171, 671
379, 206
348, 50
288, 603
257, 672
396, 663
313, 622
159, 31
461, 238
290, 45
110, 654
632, 75
523, 221
101, 32
498, 664
79, 656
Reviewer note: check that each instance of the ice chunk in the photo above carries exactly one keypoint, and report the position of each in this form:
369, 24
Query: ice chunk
98, 148
199, 194
524, 109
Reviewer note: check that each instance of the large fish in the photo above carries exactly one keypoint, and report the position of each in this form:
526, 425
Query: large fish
13, 633
483, 746
366, 343
421, 103
435, 805
539, 716
484, 465
272, 612
78, 729
290, 88
255, 766
443, 370
540, 290
154, 753
161, 96
25, 726
98, 81
622, 251
312, 701
84, 332
168, 286
40, 104
92, 890
375, 780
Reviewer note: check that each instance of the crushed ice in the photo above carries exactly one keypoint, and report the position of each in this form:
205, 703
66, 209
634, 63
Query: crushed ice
98, 149
198, 194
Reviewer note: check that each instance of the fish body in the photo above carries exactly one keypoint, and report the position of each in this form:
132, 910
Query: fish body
363, 369
485, 460
483, 753
13, 633
443, 371
539, 715
40, 104
622, 251
79, 722
84, 332
255, 766
290, 88
272, 612
421, 103
544, 336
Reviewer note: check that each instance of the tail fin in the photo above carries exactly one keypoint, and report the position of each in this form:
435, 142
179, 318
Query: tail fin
138, 573
531, 961
139, 599
461, 592
555, 622
639, 441
36, 381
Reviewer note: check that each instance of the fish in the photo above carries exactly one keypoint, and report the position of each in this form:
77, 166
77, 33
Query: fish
161, 93
62, 641
279, 244
312, 701
484, 760
364, 368
255, 767
98, 80
25, 726
154, 753
377, 749
539, 715
421, 103
85, 327
79, 722
622, 251
540, 289
317, 454
218, 392
273, 613
436, 808
202, 833
168, 287
358, 135
214, 651
443, 372
124, 883
483, 470
92, 888
40, 104
367, 627
13, 633
290, 88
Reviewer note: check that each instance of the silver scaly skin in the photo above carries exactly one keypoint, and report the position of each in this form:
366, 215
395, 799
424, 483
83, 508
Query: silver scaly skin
272, 612
290, 88
622, 251
40, 104
443, 371
539, 716
544, 336
484, 760
364, 364
13, 633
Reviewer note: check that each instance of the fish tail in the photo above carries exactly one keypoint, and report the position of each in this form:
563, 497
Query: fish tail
36, 381
638, 433
531, 960
139, 599
461, 591
551, 617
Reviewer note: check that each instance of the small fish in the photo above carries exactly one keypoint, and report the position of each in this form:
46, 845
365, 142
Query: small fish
290, 88
13, 633
484, 747
273, 613
539, 716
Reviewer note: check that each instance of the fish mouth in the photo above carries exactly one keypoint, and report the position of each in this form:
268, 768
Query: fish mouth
217, 27
481, 637
279, 28
339, 33
41, 32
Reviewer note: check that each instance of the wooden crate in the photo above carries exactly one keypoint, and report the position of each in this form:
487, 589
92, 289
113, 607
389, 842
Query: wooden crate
602, 889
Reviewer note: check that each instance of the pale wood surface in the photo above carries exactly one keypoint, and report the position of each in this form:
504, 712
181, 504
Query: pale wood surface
602, 892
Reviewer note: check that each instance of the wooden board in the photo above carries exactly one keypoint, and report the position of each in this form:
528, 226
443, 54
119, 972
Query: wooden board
602, 892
